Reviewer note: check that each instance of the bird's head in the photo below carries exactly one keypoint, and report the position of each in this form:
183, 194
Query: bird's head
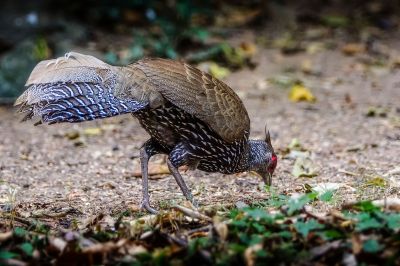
263, 159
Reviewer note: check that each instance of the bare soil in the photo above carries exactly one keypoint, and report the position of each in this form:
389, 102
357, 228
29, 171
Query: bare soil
70, 172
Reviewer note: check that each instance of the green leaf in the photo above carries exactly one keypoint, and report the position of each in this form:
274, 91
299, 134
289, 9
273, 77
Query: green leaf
326, 196
20, 232
331, 234
304, 228
372, 246
335, 21
366, 206
298, 203
111, 58
285, 234
393, 221
259, 214
5, 255
27, 248
366, 222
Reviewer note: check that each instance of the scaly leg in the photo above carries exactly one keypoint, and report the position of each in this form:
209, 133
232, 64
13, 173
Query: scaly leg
146, 152
177, 158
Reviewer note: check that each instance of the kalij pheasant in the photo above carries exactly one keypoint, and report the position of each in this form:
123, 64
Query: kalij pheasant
194, 118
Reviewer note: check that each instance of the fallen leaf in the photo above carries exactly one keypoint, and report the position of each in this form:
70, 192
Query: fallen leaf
335, 21
72, 135
376, 181
300, 93
353, 48
309, 68
248, 49
92, 131
232, 17
324, 187
321, 250
315, 47
156, 170
304, 167
250, 254
58, 244
104, 247
396, 62
356, 243
5, 236
295, 145
135, 249
218, 71
221, 228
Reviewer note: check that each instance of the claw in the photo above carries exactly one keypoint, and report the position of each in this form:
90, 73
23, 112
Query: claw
194, 203
146, 205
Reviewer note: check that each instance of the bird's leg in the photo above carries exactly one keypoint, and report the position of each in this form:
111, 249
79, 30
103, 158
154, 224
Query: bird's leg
178, 157
148, 150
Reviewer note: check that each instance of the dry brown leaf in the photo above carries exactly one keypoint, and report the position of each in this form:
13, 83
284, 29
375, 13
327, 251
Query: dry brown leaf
353, 48
249, 254
221, 228
5, 236
104, 247
356, 243
58, 244
135, 249
155, 170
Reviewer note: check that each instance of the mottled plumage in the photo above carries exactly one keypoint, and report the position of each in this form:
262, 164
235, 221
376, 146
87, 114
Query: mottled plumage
194, 118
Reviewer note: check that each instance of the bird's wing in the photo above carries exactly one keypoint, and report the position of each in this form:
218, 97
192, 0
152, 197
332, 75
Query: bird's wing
197, 93
80, 87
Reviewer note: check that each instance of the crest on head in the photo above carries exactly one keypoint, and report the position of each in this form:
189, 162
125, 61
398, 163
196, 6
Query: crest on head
267, 136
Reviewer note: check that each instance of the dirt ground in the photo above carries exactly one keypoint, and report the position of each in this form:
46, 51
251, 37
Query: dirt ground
70, 172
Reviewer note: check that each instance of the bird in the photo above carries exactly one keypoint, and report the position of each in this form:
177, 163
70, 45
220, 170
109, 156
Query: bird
195, 119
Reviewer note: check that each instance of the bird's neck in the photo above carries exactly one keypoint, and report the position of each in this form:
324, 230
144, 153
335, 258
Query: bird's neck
245, 158
254, 154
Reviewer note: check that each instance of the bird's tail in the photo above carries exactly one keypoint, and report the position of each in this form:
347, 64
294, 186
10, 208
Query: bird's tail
74, 88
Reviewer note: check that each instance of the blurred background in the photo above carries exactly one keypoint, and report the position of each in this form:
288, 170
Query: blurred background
121, 32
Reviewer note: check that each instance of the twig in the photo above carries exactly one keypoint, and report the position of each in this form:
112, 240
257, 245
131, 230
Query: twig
200, 229
19, 219
177, 240
347, 172
192, 213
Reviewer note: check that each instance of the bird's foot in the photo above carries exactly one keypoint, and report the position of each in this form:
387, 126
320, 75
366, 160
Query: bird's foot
194, 203
146, 205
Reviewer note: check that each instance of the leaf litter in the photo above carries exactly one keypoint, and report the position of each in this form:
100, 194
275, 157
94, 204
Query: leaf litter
280, 229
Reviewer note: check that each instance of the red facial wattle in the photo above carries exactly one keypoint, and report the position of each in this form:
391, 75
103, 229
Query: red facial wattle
273, 163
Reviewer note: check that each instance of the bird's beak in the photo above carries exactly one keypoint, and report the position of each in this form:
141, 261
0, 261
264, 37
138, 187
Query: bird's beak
267, 177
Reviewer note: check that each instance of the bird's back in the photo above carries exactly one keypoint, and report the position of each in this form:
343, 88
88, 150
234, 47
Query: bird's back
79, 87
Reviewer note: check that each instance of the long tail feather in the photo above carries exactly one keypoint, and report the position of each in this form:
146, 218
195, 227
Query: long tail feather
74, 88
74, 102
